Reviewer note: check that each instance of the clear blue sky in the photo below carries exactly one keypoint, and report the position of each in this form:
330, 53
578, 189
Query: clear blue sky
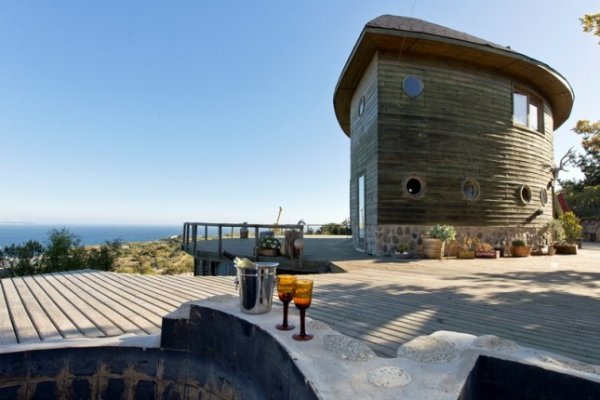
160, 112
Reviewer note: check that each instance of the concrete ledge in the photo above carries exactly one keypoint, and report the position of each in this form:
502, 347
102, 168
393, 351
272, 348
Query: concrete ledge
211, 348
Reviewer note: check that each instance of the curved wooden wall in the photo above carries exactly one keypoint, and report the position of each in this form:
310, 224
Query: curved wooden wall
460, 127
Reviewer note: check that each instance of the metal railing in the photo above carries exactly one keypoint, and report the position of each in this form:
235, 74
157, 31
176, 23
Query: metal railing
190, 234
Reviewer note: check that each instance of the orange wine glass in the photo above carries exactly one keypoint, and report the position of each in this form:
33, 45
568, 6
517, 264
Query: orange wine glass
302, 299
286, 285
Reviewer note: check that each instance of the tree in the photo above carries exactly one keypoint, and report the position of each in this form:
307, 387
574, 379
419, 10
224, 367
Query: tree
591, 23
581, 196
104, 258
64, 251
589, 163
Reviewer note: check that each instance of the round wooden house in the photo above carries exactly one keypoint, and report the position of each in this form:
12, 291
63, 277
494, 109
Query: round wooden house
446, 128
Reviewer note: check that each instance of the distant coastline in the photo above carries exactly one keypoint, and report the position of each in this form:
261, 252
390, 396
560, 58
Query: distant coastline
21, 232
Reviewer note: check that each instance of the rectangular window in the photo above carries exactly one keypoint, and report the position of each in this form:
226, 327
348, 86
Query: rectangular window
520, 109
533, 116
528, 111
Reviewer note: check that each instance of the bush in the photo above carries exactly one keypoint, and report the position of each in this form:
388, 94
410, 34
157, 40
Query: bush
105, 258
269, 242
442, 232
571, 226
336, 229
23, 259
555, 228
518, 243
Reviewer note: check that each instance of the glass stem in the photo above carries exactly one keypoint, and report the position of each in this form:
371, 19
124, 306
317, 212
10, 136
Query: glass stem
302, 316
285, 313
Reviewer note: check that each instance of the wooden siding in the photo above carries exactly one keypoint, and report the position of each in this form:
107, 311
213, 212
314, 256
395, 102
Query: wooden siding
423, 39
460, 127
363, 147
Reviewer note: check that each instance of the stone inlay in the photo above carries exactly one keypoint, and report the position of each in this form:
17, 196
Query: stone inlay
316, 325
427, 349
491, 342
389, 377
347, 348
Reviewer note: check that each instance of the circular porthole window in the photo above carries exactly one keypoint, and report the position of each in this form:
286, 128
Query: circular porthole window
412, 86
361, 106
471, 189
543, 196
525, 194
414, 186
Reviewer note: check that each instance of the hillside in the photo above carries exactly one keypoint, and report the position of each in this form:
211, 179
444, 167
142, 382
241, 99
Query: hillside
157, 257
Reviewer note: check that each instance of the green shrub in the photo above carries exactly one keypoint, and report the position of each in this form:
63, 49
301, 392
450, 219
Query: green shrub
22, 259
518, 243
571, 226
555, 227
269, 242
442, 232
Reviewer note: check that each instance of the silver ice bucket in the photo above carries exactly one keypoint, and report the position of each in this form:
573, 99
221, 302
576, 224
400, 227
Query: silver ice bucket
256, 284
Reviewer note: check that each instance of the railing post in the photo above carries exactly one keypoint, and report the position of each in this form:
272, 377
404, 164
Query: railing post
194, 238
187, 237
301, 258
205, 232
183, 237
255, 251
220, 239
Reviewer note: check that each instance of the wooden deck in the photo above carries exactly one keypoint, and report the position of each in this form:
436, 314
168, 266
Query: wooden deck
544, 302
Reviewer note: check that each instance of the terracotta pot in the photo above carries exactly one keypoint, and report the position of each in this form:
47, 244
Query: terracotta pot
521, 251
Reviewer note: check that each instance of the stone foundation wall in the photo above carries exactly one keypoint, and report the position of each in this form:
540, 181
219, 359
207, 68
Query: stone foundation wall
382, 240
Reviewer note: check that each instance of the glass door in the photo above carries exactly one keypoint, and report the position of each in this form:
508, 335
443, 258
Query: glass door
361, 212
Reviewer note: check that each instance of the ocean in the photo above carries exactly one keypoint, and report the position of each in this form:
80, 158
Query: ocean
89, 234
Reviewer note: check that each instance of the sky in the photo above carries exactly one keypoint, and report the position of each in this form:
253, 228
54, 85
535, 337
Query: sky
162, 112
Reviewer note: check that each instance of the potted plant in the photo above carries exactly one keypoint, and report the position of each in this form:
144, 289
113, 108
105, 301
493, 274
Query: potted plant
572, 234
519, 248
557, 235
434, 244
485, 250
268, 246
401, 251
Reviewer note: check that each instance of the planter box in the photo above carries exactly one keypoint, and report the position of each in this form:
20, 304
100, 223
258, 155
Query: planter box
465, 255
267, 252
486, 254
569, 249
433, 248
521, 251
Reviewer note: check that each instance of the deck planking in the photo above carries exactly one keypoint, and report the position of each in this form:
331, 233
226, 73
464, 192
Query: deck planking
545, 302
